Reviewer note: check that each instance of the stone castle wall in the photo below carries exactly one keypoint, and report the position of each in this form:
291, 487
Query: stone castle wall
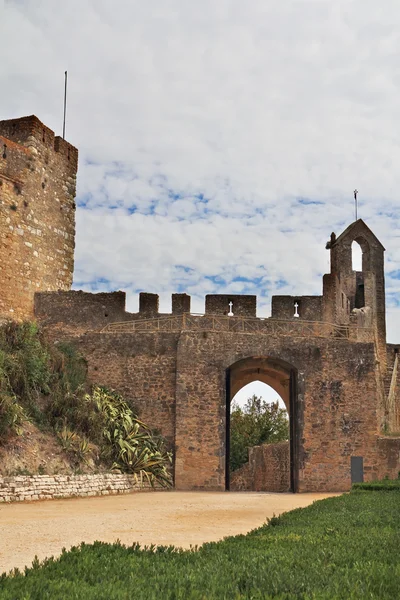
177, 382
141, 367
37, 214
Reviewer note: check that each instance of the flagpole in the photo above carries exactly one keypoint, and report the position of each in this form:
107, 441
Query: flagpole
65, 102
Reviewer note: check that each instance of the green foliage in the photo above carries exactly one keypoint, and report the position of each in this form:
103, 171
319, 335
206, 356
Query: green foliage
129, 443
256, 423
24, 375
68, 387
377, 486
67, 439
72, 367
78, 447
24, 364
12, 417
344, 548
31, 370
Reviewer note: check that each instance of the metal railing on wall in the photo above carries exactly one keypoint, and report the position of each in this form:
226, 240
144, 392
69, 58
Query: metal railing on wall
226, 324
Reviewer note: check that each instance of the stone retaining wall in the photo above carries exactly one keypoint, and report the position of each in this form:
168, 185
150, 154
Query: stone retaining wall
48, 487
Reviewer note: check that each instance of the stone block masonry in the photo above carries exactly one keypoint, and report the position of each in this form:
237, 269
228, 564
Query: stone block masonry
268, 470
37, 214
49, 487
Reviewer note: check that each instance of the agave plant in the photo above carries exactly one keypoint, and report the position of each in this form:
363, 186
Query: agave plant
68, 439
131, 445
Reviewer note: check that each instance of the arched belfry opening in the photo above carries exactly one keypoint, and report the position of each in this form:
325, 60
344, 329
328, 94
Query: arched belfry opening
356, 256
360, 259
358, 264
361, 242
282, 378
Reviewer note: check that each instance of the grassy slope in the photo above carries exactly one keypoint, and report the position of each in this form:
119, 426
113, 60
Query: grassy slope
345, 547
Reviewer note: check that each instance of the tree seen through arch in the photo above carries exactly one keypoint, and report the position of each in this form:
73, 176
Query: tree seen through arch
258, 416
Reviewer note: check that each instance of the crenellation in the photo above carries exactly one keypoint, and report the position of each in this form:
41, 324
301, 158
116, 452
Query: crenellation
148, 304
307, 308
240, 305
180, 303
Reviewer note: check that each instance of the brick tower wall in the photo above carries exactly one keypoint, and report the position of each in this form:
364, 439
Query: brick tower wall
37, 214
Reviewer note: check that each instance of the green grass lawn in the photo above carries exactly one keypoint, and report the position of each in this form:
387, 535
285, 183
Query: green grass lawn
343, 547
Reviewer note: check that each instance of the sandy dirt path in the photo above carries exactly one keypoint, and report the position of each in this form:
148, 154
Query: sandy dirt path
179, 518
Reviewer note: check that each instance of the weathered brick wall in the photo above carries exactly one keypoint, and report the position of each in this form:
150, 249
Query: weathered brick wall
37, 214
268, 470
48, 487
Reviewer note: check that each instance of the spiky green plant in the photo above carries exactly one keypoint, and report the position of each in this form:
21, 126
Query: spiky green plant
67, 438
31, 369
12, 417
130, 444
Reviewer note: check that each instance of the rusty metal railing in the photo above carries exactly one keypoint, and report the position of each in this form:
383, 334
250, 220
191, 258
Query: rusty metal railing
226, 324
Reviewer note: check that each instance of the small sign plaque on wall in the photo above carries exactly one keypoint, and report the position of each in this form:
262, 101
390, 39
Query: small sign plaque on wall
357, 469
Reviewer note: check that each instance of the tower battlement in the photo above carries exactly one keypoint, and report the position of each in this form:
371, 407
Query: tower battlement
32, 134
37, 213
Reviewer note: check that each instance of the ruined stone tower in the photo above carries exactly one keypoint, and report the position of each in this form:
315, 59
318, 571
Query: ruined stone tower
37, 214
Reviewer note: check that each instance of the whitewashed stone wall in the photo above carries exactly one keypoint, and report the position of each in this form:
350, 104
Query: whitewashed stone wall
48, 487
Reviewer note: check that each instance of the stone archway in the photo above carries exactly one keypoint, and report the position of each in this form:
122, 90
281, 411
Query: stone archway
282, 377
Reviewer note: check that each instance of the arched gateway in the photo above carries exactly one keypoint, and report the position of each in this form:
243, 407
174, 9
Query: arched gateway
280, 376
326, 355
210, 370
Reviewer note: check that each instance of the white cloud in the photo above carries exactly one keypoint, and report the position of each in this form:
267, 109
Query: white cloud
249, 106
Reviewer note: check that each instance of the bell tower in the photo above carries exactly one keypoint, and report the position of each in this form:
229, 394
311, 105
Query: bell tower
357, 297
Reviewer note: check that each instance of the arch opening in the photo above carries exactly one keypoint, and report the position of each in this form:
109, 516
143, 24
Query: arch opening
360, 254
356, 256
267, 424
360, 264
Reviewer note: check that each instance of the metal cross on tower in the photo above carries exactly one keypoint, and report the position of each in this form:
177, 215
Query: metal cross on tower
230, 313
355, 201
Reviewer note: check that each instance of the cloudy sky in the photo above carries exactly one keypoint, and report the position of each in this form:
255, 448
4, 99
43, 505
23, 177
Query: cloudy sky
220, 141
